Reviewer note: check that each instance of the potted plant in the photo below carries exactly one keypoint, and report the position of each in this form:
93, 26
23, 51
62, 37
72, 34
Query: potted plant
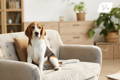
109, 23
80, 11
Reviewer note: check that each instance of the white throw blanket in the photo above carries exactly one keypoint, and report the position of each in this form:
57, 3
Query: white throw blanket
69, 61
64, 62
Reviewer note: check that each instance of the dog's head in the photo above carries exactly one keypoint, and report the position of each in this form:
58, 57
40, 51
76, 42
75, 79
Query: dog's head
35, 30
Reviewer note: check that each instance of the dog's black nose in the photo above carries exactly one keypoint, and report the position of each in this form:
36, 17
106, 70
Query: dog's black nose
36, 33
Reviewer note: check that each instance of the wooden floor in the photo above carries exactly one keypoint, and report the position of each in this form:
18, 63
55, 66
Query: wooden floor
109, 67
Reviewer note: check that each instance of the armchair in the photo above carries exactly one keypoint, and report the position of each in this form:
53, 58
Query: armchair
88, 68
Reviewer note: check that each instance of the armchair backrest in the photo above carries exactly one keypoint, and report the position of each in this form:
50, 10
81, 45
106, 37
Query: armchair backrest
53, 41
7, 45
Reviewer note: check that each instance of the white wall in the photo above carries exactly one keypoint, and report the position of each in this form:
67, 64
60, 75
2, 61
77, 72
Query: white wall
50, 10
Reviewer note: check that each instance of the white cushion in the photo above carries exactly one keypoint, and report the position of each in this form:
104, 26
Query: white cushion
8, 51
7, 45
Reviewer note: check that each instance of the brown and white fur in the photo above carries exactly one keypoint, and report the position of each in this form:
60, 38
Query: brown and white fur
37, 47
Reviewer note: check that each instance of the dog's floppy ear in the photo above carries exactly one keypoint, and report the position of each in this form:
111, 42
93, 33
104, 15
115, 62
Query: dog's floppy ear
43, 31
28, 31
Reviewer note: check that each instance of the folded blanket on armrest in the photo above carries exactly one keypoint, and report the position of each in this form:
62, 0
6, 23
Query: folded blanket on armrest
63, 62
69, 61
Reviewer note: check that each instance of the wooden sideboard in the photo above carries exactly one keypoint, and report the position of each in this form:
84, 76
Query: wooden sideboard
71, 32
75, 32
110, 50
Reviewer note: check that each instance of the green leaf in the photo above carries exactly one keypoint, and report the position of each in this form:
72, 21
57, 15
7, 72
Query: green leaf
103, 32
101, 19
118, 26
91, 33
116, 12
79, 7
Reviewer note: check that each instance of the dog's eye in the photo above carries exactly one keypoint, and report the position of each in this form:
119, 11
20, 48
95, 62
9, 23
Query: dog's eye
33, 27
39, 27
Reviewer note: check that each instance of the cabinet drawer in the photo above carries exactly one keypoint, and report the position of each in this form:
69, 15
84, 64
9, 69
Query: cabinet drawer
76, 39
49, 25
107, 51
118, 53
75, 27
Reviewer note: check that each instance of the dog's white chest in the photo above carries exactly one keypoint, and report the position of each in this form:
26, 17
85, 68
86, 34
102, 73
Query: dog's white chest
39, 49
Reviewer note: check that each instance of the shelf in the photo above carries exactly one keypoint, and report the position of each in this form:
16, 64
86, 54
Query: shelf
11, 16
15, 28
14, 24
13, 10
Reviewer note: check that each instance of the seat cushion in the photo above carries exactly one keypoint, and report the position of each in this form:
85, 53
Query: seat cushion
74, 71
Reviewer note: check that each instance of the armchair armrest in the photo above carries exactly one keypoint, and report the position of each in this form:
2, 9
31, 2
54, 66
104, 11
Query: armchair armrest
16, 70
88, 53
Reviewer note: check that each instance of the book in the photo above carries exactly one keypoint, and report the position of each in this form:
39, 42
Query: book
17, 21
115, 76
17, 4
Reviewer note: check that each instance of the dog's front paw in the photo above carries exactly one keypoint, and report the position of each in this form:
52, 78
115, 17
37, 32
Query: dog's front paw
57, 68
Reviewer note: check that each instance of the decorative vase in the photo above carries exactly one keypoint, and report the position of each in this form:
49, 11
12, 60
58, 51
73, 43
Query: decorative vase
112, 37
80, 16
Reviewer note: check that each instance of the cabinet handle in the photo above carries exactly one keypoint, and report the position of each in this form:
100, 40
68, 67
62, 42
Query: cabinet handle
76, 25
76, 37
105, 50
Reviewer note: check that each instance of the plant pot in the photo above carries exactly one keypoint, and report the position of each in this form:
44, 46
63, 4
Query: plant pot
112, 37
80, 16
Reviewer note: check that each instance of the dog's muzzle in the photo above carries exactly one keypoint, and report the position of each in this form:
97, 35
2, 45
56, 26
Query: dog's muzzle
36, 33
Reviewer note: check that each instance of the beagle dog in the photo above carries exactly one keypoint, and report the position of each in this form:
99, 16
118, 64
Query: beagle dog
37, 49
